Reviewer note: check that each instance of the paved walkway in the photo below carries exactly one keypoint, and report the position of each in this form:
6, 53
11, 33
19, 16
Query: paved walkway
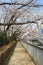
20, 56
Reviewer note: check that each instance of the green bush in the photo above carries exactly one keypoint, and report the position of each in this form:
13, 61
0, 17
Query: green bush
3, 39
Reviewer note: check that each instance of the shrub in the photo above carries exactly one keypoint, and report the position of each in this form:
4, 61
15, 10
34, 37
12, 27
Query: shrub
3, 39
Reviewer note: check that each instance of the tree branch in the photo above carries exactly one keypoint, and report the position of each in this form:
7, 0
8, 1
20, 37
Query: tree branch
17, 23
23, 4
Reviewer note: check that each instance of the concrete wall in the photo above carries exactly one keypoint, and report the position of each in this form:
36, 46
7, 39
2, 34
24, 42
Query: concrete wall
35, 52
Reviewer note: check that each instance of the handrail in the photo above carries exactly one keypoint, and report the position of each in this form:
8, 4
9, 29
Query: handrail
33, 45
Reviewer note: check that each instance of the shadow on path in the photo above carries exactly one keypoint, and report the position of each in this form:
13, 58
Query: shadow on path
6, 61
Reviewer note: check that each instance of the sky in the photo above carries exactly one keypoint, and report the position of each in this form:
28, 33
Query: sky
38, 2
36, 10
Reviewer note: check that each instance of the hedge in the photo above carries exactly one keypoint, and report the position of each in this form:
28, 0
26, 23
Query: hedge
3, 39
